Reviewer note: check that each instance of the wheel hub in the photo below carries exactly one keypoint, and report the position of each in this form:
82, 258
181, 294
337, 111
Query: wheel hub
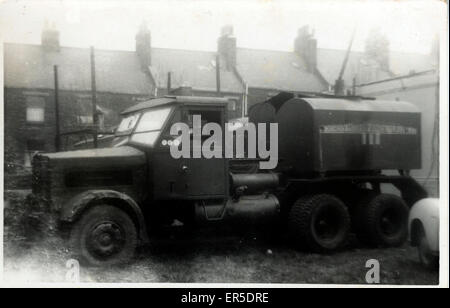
390, 223
327, 224
106, 239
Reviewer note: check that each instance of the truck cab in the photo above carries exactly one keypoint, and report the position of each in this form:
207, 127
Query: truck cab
147, 127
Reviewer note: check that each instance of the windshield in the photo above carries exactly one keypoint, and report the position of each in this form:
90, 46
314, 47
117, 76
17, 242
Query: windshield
150, 125
127, 124
152, 120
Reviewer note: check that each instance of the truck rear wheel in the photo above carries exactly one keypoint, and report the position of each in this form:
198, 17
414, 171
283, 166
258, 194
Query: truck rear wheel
319, 222
104, 236
383, 221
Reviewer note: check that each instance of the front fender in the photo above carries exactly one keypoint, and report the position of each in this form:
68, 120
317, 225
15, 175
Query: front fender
76, 206
426, 211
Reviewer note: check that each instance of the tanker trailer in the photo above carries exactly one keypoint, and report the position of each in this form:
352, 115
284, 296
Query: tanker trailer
334, 155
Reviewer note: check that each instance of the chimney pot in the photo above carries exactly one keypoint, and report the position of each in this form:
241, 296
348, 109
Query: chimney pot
50, 37
227, 30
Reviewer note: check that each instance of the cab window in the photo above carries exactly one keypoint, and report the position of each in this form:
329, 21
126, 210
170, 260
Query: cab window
127, 124
149, 126
207, 116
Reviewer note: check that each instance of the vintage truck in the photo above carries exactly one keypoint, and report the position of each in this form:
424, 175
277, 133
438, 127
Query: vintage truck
332, 152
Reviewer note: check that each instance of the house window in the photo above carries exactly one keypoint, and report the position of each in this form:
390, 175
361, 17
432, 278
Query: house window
35, 109
83, 120
232, 104
84, 112
32, 148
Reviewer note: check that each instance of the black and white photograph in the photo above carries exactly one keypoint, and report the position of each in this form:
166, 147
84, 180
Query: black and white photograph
267, 143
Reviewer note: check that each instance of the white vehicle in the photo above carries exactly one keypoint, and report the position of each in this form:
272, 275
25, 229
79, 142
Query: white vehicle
424, 231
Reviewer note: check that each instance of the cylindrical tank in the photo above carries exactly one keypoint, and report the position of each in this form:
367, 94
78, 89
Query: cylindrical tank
253, 209
334, 134
250, 209
253, 183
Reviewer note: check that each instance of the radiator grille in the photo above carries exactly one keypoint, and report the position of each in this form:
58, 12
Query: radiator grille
40, 182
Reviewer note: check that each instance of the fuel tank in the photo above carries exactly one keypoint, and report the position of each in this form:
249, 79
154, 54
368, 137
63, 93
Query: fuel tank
252, 183
249, 209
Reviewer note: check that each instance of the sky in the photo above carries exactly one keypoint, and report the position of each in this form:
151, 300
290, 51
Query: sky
262, 24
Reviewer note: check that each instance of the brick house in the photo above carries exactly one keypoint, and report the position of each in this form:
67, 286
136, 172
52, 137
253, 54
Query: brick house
29, 102
246, 76
265, 73
194, 73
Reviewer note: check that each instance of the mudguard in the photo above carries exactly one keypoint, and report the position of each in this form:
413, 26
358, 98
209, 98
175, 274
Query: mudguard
76, 206
425, 212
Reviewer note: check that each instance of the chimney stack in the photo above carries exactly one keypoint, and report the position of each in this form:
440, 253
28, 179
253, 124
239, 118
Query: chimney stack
305, 46
143, 45
50, 37
434, 53
226, 47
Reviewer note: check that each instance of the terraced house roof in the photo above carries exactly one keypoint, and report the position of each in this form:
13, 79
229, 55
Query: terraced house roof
280, 70
196, 69
30, 66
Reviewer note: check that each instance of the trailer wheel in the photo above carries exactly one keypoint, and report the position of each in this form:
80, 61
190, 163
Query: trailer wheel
319, 222
104, 236
383, 221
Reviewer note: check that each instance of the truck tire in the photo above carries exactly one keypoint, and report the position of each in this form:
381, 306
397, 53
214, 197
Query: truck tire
104, 236
319, 222
382, 221
362, 198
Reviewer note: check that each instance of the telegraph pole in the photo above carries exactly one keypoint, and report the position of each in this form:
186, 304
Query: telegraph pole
57, 132
94, 96
169, 82
218, 74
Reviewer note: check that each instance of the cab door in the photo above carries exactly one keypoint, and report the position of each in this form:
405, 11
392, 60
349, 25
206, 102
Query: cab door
205, 177
190, 177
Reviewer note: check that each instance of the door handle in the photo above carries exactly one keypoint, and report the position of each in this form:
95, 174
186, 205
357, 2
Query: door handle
185, 168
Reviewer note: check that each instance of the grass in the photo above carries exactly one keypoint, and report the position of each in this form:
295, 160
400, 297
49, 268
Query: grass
208, 257
203, 259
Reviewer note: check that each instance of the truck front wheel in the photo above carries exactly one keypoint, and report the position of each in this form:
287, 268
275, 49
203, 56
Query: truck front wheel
104, 236
383, 221
319, 222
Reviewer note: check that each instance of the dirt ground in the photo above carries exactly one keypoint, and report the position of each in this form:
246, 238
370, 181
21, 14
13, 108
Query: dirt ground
226, 259
206, 257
